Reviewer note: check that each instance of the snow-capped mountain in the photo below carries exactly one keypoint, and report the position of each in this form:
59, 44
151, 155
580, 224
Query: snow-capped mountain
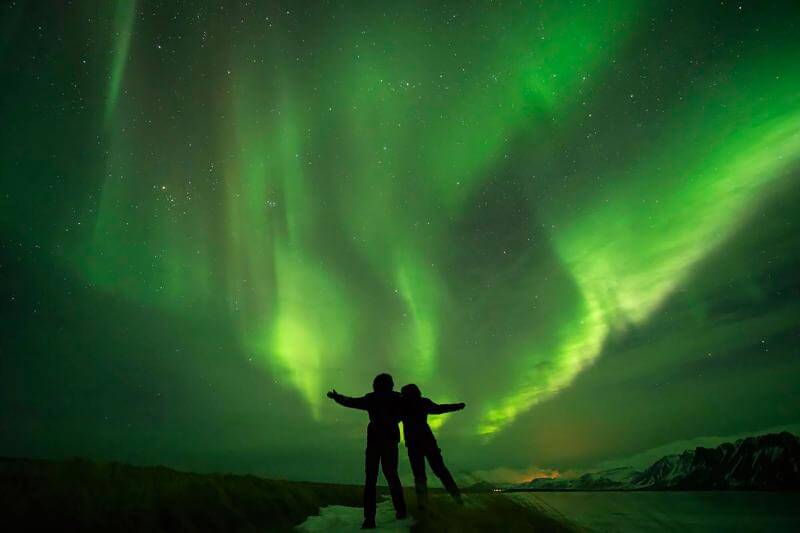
767, 462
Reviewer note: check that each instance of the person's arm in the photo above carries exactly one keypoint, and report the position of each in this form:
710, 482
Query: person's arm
440, 408
347, 401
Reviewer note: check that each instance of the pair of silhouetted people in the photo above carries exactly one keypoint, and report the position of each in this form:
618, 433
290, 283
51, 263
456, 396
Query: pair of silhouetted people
386, 409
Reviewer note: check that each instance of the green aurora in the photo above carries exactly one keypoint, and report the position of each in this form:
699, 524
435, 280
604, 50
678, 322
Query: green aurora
579, 218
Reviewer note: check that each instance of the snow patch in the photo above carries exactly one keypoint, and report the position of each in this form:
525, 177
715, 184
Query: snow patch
342, 519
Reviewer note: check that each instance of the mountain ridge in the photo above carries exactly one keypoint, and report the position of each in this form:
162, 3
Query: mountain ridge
764, 462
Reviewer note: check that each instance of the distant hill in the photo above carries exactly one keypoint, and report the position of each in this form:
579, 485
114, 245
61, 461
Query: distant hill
81, 495
767, 462
614, 479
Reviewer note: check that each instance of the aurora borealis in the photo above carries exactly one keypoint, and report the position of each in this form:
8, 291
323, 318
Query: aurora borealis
580, 218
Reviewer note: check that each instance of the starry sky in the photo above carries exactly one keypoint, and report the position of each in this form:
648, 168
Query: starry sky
580, 218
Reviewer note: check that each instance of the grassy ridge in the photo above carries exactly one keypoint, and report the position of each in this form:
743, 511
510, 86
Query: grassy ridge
80, 495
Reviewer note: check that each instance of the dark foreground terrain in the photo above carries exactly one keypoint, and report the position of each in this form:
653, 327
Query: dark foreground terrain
79, 495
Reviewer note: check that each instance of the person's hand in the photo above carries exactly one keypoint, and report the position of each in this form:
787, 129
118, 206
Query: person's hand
461, 405
332, 394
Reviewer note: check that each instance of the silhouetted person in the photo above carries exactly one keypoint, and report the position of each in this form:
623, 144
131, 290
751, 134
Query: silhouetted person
384, 406
422, 444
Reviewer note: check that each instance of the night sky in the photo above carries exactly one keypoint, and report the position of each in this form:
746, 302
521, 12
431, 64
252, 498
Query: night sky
580, 218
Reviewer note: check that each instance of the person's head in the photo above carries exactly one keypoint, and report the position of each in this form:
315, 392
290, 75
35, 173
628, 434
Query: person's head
411, 391
383, 383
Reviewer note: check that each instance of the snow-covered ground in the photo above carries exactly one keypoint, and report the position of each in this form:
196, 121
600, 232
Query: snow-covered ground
341, 519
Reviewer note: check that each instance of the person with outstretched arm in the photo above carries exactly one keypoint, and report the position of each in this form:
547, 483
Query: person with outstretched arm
422, 444
384, 406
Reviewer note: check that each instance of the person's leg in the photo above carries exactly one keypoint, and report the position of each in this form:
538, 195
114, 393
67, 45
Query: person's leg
436, 461
416, 457
389, 466
372, 458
